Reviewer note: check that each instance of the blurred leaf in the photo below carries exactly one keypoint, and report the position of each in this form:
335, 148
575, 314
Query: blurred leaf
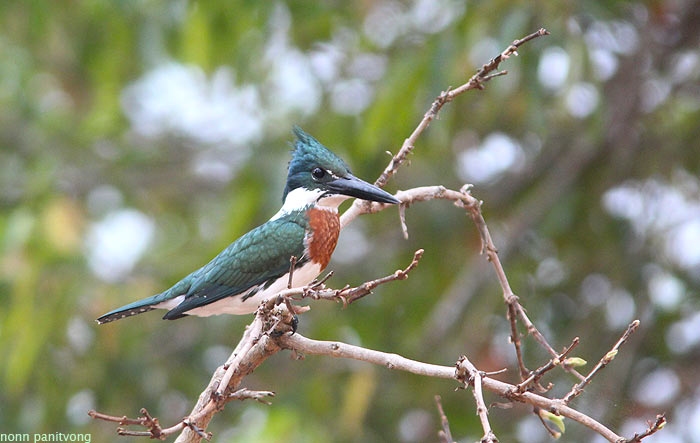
359, 392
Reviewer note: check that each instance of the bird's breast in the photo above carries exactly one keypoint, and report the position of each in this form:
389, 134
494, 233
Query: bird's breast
324, 228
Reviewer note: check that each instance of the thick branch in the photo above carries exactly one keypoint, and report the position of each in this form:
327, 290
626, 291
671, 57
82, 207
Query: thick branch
301, 344
253, 349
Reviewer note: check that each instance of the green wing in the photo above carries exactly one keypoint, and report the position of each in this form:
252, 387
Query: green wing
259, 256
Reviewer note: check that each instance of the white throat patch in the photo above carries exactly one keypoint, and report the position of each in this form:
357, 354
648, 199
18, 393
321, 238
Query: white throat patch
300, 198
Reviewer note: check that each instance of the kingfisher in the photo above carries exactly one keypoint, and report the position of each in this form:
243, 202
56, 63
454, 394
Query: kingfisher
257, 265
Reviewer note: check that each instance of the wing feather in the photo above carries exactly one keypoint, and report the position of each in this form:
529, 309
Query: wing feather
261, 255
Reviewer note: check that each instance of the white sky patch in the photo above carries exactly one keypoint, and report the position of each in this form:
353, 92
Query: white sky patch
582, 99
292, 84
432, 16
684, 335
655, 93
80, 402
684, 243
367, 66
665, 290
214, 165
620, 309
351, 97
553, 68
116, 243
483, 50
692, 410
384, 23
497, 153
595, 289
326, 60
181, 99
389, 20
657, 388
550, 272
530, 430
80, 335
684, 66
620, 37
661, 210
604, 63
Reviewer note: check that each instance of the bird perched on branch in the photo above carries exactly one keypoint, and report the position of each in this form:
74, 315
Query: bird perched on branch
257, 265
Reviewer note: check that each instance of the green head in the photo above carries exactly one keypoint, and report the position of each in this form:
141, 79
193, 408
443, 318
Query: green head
316, 169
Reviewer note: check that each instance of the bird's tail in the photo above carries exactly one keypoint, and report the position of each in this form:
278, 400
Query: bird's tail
137, 307
167, 299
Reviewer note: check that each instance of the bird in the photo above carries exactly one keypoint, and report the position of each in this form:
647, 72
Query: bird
256, 266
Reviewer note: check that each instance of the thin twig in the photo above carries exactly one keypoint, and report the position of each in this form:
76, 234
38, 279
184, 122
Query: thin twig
512, 317
538, 373
348, 295
653, 428
445, 435
607, 358
154, 430
292, 266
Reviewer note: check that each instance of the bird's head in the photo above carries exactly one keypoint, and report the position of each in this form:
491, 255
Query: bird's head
318, 175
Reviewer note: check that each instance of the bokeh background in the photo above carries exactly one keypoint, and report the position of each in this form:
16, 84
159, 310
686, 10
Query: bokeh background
138, 138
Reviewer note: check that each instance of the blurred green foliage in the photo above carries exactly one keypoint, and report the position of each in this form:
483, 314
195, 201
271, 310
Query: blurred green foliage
84, 135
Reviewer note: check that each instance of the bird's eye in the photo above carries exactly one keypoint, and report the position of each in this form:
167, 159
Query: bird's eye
318, 173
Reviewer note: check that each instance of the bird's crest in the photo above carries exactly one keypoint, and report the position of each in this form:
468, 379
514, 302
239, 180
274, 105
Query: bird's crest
309, 154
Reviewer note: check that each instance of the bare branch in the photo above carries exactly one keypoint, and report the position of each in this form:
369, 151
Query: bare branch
465, 200
303, 345
350, 295
272, 328
146, 421
247, 394
471, 376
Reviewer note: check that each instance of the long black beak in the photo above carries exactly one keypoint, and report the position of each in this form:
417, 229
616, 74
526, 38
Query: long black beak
354, 187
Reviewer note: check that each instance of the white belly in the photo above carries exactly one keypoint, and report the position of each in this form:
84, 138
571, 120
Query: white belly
235, 305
